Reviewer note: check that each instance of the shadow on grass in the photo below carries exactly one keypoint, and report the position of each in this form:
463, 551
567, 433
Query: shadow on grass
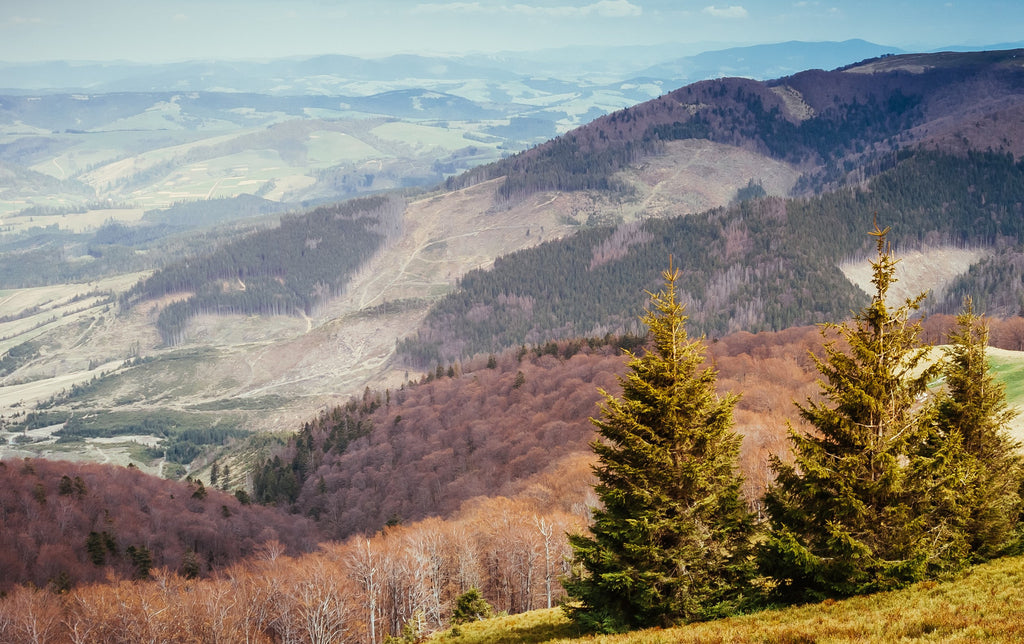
537, 633
508, 629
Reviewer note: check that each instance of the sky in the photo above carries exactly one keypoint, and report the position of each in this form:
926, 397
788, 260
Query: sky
177, 30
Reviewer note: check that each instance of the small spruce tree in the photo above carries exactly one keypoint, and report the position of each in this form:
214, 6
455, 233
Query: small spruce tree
190, 567
671, 542
95, 546
972, 420
854, 512
142, 560
470, 606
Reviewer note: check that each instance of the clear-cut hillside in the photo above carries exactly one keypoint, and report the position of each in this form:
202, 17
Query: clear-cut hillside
694, 149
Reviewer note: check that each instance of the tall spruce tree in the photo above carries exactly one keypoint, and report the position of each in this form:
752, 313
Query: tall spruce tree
854, 512
672, 540
972, 421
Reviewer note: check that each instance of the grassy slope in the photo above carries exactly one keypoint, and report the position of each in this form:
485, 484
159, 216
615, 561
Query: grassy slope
982, 606
1009, 367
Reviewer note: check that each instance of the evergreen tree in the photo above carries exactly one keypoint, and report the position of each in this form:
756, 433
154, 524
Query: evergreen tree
972, 420
190, 567
672, 540
96, 548
142, 560
855, 511
470, 606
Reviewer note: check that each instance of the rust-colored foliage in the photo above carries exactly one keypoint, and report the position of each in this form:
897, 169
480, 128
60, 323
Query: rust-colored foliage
435, 445
60, 518
507, 506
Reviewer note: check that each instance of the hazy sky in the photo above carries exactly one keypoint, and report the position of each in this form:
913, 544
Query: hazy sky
173, 30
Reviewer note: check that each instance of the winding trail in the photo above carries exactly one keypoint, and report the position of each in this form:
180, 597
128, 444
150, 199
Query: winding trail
216, 184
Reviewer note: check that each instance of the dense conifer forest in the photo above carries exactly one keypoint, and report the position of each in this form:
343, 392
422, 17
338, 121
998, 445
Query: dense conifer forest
286, 270
762, 264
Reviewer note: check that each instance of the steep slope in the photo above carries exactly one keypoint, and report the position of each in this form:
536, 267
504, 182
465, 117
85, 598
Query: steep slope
828, 122
486, 427
763, 264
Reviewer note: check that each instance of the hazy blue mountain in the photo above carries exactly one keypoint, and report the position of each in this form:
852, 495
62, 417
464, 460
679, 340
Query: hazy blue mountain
1018, 44
762, 62
337, 74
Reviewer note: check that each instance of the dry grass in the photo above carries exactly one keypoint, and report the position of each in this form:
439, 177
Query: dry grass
984, 606
919, 271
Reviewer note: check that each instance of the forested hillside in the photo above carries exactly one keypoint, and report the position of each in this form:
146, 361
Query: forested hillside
282, 271
827, 122
74, 523
57, 253
512, 477
763, 264
485, 426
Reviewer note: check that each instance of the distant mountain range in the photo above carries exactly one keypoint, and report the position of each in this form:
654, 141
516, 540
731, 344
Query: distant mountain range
337, 74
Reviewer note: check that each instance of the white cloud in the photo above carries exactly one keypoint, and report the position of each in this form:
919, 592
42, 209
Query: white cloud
453, 7
726, 12
616, 8
602, 8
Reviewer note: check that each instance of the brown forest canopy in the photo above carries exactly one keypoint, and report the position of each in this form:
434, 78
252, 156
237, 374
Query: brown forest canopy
68, 523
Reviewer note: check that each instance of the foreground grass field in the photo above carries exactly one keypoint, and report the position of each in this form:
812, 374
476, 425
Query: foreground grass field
983, 606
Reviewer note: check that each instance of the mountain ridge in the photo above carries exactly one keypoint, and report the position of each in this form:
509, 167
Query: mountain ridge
613, 64
350, 341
